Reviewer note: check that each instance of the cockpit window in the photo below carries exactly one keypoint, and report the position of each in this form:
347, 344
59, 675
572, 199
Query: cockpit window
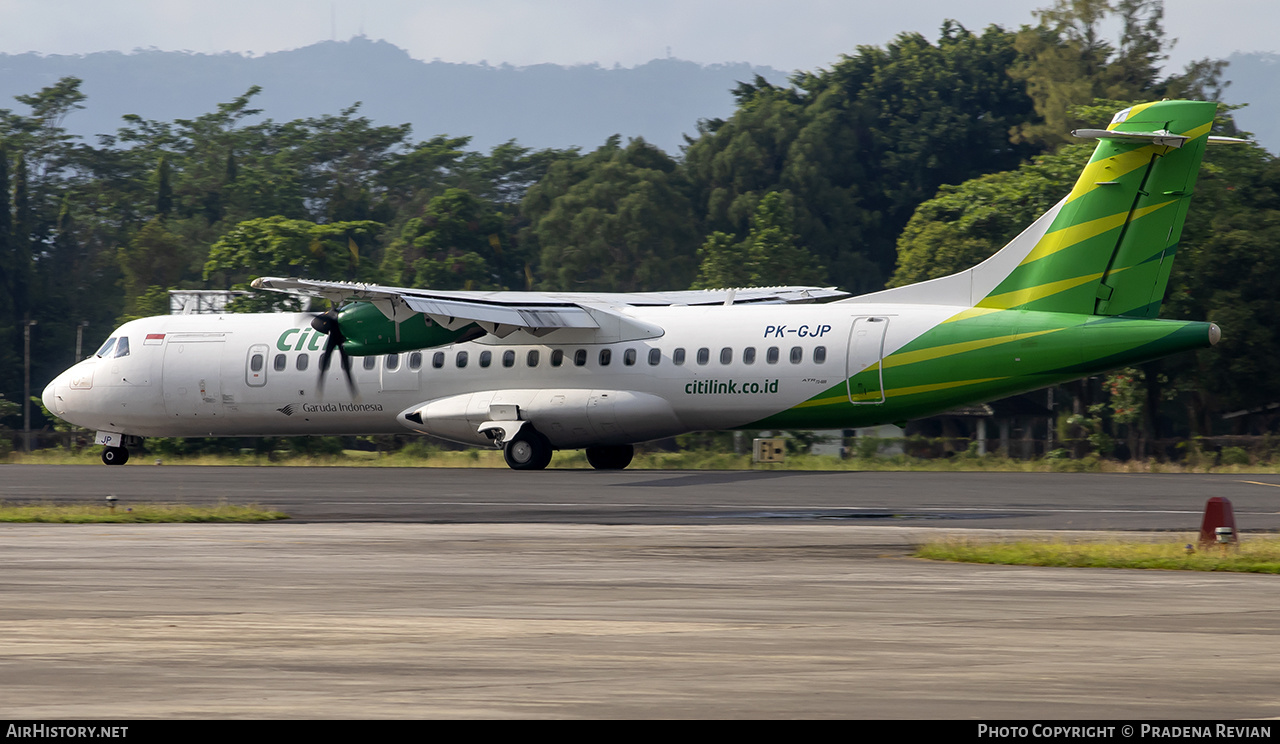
107, 348
122, 347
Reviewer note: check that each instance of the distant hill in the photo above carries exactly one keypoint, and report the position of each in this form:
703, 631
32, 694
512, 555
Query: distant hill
540, 106
1255, 80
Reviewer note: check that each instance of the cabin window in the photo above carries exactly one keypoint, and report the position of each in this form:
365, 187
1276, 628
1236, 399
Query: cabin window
461, 359
370, 362
256, 362
415, 360
531, 359
655, 356
393, 362
508, 358
771, 356
580, 358
606, 356
107, 346
280, 362
819, 354
485, 358
704, 355
797, 354
749, 355
677, 357
437, 359
726, 355
302, 362
629, 357
557, 357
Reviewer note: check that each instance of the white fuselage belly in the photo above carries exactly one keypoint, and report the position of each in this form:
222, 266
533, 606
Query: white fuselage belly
197, 379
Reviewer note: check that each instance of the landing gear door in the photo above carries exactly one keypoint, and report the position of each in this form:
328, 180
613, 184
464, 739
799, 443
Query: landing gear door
863, 373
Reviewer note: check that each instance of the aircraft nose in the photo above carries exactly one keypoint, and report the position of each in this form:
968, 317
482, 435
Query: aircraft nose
50, 396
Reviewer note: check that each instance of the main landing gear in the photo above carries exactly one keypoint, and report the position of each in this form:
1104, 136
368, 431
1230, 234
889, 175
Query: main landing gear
115, 455
614, 457
528, 450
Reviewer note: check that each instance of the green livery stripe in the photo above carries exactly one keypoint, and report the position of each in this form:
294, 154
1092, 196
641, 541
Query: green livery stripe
1069, 236
1126, 211
922, 355
936, 386
1020, 297
894, 392
939, 372
1102, 169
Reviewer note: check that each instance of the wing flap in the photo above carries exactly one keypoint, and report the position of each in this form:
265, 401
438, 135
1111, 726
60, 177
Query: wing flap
566, 316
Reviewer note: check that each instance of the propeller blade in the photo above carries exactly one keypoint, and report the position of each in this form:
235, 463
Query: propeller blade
327, 323
346, 370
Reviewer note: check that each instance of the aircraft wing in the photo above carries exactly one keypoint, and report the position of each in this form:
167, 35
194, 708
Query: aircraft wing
540, 311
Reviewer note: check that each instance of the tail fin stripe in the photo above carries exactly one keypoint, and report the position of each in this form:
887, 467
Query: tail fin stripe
1031, 294
1075, 234
1108, 169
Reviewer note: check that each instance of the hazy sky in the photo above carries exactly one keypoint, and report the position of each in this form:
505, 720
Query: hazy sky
786, 34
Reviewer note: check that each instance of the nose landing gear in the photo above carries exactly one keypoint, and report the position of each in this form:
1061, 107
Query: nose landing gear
116, 446
115, 455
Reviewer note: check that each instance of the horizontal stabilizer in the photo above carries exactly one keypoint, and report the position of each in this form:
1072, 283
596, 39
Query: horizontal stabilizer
1163, 137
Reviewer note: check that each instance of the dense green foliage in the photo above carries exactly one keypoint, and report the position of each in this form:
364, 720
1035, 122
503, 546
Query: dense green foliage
898, 163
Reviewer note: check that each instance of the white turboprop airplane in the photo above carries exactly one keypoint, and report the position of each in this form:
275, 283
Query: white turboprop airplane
1075, 294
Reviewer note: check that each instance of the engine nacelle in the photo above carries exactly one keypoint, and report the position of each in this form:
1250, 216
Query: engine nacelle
568, 418
368, 332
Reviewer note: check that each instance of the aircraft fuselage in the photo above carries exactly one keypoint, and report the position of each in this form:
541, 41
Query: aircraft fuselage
774, 366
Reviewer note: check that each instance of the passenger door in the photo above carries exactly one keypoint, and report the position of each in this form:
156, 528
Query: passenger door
863, 373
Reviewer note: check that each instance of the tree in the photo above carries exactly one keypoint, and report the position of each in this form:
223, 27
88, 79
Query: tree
154, 257
164, 190
1066, 62
1227, 270
860, 145
276, 246
456, 244
6, 235
619, 219
966, 223
769, 255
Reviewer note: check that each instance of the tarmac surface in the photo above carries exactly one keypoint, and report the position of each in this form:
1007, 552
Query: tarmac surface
571, 594
437, 495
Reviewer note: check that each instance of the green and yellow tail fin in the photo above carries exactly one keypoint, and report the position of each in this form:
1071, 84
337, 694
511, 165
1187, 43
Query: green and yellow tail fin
1110, 247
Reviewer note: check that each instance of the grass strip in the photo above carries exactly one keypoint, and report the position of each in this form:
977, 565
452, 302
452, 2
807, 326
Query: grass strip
136, 513
1253, 555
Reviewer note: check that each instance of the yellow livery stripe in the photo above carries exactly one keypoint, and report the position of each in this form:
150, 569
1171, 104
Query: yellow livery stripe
937, 352
1075, 234
1109, 169
1031, 294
